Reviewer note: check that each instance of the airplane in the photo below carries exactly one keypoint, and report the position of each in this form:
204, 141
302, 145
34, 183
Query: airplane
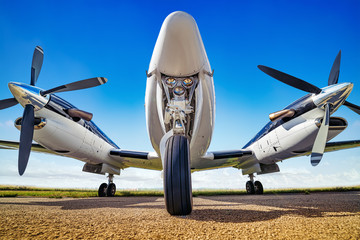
180, 113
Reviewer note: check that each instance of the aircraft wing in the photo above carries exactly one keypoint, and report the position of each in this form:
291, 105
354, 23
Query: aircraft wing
12, 145
335, 146
211, 160
146, 160
231, 158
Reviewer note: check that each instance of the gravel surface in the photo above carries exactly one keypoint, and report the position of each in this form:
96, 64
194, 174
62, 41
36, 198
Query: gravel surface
283, 216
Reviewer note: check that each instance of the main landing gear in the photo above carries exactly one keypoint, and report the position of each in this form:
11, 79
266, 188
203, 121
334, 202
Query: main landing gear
107, 190
254, 187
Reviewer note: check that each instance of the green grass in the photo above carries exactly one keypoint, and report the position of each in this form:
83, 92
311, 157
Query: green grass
20, 191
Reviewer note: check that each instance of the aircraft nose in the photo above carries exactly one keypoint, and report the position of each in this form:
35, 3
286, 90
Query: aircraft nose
180, 22
179, 50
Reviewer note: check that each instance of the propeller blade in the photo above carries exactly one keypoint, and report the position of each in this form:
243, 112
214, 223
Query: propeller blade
320, 141
353, 107
87, 83
26, 137
335, 70
37, 62
6, 103
290, 80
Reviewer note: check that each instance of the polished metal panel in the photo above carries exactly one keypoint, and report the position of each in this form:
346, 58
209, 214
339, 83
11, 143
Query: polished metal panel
335, 95
26, 94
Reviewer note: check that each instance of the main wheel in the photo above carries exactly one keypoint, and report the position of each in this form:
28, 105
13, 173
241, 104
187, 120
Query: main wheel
111, 189
250, 189
102, 190
258, 188
177, 176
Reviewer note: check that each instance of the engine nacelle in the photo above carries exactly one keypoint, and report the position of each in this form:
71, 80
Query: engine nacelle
101, 168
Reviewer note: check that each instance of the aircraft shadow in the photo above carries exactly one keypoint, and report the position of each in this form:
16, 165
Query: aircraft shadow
267, 207
235, 209
92, 203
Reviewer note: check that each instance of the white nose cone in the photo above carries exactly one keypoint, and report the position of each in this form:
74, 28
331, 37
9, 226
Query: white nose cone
179, 50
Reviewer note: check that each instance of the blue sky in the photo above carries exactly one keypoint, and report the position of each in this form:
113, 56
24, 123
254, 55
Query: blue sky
115, 39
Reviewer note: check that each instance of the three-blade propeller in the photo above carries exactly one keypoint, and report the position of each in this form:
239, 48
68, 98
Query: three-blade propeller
321, 138
27, 122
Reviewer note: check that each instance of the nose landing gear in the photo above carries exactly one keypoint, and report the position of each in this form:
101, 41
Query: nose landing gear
254, 187
107, 190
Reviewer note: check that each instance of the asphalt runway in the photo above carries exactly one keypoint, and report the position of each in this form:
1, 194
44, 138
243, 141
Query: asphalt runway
282, 216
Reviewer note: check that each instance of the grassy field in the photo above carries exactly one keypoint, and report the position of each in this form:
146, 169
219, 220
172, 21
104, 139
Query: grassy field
20, 191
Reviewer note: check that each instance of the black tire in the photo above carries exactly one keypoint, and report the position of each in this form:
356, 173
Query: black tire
258, 188
102, 190
111, 189
250, 189
177, 176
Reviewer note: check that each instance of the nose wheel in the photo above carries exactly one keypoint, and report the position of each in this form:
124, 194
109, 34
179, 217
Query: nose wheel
254, 187
107, 190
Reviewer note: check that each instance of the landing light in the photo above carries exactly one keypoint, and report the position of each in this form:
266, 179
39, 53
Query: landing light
179, 91
170, 82
188, 82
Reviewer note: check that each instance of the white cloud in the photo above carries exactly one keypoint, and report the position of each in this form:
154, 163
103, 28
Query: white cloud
52, 171
7, 124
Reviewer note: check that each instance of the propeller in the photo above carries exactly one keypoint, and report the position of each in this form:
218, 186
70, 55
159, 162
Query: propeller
320, 141
26, 136
6, 103
290, 80
37, 61
335, 70
87, 83
353, 107
321, 137
27, 122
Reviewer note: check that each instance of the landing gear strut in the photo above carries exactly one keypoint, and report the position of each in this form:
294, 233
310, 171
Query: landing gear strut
107, 190
254, 187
